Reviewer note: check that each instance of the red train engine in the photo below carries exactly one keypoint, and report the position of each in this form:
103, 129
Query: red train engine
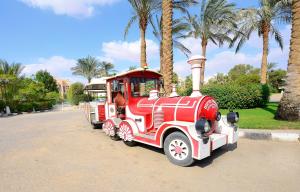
187, 127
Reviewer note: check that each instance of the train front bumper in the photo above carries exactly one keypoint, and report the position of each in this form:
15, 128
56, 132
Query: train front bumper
224, 134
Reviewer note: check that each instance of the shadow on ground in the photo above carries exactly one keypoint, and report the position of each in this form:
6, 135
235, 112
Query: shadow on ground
200, 163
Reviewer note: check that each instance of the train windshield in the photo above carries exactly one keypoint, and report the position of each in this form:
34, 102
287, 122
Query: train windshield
140, 87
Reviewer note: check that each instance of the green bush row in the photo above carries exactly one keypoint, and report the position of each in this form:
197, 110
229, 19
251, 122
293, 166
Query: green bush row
2, 105
37, 106
17, 106
234, 96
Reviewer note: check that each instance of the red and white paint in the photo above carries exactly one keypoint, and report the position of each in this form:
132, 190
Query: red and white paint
109, 128
150, 119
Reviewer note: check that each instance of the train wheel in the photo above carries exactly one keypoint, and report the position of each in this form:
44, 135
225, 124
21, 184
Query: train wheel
126, 134
130, 143
109, 128
178, 149
115, 137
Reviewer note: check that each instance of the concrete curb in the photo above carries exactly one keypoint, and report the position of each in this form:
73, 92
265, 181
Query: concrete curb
276, 135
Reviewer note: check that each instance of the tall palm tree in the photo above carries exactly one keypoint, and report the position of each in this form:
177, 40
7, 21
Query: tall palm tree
142, 12
178, 30
167, 38
88, 67
167, 43
217, 20
11, 69
289, 107
106, 68
263, 20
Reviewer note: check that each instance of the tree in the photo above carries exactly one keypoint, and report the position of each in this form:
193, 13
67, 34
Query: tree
217, 20
220, 78
31, 91
75, 93
276, 78
271, 66
263, 20
133, 67
167, 44
11, 69
289, 107
106, 68
167, 37
142, 11
47, 79
240, 70
87, 67
10, 76
178, 30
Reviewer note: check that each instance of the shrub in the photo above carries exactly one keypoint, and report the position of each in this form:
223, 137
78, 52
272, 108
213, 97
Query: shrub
52, 97
2, 105
75, 93
42, 105
24, 107
234, 96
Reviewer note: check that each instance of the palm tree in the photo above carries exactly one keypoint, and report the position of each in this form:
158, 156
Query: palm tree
178, 30
217, 20
11, 69
88, 67
133, 67
167, 38
289, 107
106, 68
143, 10
263, 21
167, 44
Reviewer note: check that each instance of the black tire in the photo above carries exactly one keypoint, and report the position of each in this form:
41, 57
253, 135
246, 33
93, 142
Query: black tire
130, 143
115, 137
97, 126
185, 156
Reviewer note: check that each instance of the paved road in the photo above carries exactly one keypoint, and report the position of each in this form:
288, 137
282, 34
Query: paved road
59, 151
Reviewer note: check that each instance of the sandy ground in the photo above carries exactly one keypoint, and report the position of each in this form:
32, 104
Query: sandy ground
59, 151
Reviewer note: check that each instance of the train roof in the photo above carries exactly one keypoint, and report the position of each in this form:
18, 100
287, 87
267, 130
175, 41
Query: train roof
135, 72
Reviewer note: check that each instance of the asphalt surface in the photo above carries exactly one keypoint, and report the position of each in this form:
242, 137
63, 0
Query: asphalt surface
60, 151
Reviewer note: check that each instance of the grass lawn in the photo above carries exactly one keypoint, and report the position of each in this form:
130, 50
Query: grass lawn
262, 118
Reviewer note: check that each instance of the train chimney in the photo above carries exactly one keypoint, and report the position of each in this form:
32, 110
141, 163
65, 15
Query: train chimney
195, 62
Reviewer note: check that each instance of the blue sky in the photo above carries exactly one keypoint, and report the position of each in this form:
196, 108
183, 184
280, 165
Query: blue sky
52, 34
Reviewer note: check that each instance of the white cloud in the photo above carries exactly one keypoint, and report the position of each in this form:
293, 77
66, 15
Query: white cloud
130, 51
74, 8
57, 66
223, 60
194, 45
220, 63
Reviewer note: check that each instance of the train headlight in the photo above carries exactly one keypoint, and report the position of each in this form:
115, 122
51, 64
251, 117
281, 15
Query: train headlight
202, 126
233, 117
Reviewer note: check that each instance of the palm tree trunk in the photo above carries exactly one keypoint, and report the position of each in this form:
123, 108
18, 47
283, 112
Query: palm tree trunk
202, 70
289, 107
161, 59
143, 58
167, 19
264, 62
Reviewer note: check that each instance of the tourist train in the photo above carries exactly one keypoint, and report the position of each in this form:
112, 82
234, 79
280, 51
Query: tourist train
188, 128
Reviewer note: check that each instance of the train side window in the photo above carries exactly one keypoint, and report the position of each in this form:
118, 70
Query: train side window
141, 87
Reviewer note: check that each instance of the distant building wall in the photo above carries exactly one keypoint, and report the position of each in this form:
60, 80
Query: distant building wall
63, 87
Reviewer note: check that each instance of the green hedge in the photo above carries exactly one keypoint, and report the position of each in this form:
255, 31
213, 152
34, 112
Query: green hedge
29, 106
234, 96
2, 105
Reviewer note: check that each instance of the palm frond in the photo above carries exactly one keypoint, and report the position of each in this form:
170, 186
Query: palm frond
133, 19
